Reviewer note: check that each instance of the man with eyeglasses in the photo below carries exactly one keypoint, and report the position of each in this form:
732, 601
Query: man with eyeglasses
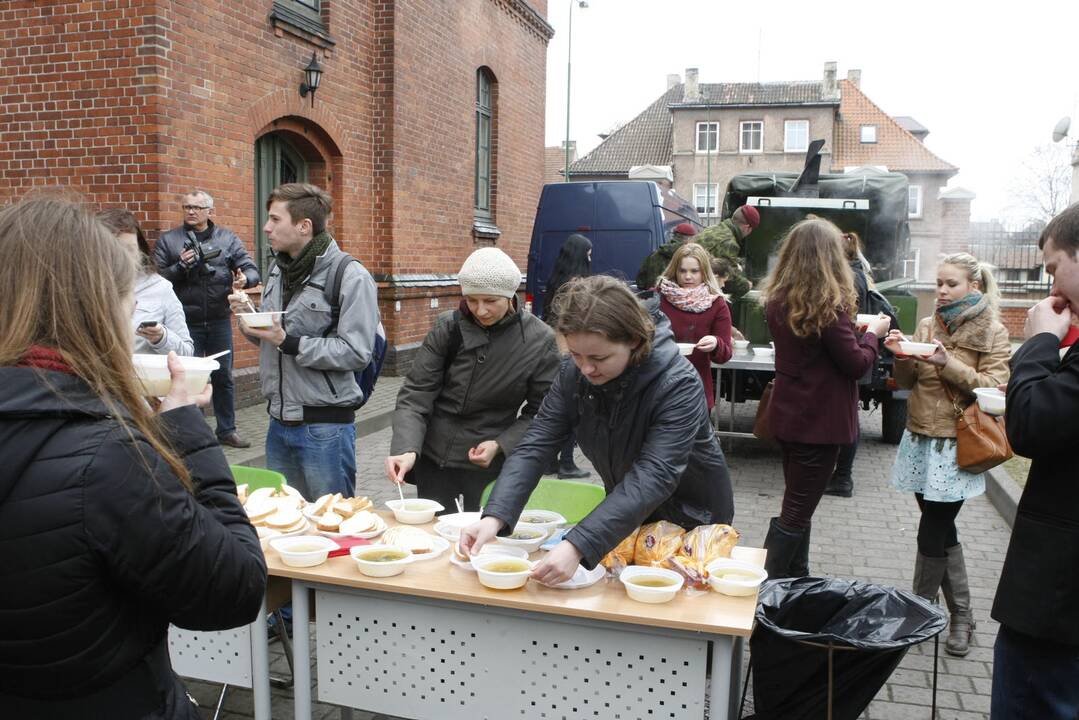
204, 261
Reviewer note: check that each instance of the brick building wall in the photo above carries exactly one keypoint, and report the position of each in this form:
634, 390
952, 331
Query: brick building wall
132, 102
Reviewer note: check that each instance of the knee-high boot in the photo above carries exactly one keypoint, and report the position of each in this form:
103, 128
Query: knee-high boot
928, 575
799, 566
782, 544
957, 595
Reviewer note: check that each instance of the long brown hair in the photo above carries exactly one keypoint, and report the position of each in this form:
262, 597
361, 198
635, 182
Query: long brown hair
63, 283
698, 253
600, 304
812, 277
119, 220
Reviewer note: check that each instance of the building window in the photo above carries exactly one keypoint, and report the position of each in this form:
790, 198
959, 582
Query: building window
912, 264
914, 201
869, 133
796, 135
707, 137
302, 18
704, 198
484, 142
752, 136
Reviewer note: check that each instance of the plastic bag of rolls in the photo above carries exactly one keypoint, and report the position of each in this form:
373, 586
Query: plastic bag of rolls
664, 544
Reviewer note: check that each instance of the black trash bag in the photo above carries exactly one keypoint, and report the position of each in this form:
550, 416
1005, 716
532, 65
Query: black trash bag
871, 627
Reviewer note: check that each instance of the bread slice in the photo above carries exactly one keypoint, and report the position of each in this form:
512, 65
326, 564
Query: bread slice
241, 493
323, 504
330, 522
343, 508
361, 522
300, 524
361, 503
284, 519
258, 512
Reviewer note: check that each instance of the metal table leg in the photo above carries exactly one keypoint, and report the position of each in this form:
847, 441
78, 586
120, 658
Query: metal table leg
737, 651
734, 389
301, 647
260, 665
720, 695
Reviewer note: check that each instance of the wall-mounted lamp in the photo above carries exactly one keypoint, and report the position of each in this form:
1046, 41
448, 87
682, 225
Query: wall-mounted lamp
313, 75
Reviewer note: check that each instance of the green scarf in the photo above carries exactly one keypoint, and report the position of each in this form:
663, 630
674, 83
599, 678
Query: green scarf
294, 271
959, 311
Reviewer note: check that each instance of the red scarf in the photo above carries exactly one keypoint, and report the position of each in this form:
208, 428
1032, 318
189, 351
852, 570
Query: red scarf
44, 358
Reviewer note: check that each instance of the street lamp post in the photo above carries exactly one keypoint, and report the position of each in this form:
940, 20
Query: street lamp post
569, 55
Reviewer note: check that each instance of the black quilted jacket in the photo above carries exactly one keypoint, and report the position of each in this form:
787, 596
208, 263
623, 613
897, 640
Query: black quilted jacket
98, 554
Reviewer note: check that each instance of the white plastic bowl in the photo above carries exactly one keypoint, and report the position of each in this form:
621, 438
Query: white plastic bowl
764, 352
735, 577
741, 345
414, 511
686, 348
864, 320
530, 544
500, 580
990, 400
549, 520
645, 593
303, 550
153, 372
915, 348
488, 550
459, 520
387, 568
260, 319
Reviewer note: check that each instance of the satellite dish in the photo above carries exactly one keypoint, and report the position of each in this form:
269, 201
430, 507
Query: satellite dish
1061, 130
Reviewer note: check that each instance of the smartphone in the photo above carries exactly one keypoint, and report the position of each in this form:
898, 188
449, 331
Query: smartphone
148, 324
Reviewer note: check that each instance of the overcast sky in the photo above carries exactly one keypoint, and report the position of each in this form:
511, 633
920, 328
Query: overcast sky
989, 80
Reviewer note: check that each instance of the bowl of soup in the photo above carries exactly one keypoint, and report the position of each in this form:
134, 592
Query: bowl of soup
260, 319
916, 348
650, 584
741, 345
735, 577
990, 400
152, 371
414, 511
862, 320
686, 348
547, 520
381, 560
502, 572
526, 537
303, 550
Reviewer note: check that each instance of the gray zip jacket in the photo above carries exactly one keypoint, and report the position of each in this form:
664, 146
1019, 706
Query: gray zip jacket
442, 412
312, 372
156, 301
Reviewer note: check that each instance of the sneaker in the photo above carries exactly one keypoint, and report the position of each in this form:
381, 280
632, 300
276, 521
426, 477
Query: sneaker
573, 473
233, 439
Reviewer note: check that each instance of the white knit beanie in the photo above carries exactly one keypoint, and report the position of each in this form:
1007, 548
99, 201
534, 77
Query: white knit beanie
489, 271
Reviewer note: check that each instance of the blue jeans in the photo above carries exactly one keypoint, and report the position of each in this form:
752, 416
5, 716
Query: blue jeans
315, 458
1033, 678
210, 338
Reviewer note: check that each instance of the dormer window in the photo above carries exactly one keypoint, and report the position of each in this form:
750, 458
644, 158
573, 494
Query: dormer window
869, 133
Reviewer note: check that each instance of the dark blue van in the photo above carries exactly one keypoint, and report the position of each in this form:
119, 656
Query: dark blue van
625, 220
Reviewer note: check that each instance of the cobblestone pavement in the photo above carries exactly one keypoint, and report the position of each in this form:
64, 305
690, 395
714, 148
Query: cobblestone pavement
869, 537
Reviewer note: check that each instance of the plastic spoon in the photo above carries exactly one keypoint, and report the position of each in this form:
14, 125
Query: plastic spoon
217, 355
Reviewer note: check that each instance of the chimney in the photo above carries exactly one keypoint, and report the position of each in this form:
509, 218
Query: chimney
855, 77
692, 92
829, 90
673, 79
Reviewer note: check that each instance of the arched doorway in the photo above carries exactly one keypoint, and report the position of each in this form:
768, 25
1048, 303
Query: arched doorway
277, 161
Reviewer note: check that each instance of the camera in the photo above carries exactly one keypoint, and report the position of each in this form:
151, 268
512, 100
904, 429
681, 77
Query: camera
201, 256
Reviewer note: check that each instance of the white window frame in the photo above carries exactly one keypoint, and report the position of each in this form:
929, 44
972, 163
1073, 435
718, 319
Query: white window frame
916, 260
868, 134
787, 125
698, 189
741, 136
700, 126
919, 206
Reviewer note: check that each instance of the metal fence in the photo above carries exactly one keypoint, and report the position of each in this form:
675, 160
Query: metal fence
1014, 253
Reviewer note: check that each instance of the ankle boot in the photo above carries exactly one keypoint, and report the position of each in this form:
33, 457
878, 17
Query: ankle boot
799, 566
928, 575
840, 485
782, 545
957, 596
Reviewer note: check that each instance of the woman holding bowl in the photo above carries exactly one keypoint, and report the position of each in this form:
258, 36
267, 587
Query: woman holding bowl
459, 413
641, 419
810, 303
972, 351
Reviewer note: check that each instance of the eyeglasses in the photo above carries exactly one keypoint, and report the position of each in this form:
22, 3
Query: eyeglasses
195, 207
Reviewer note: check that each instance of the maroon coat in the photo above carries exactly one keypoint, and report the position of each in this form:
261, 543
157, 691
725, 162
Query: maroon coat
815, 396
689, 327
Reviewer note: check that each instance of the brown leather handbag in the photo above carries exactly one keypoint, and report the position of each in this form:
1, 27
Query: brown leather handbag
981, 440
762, 428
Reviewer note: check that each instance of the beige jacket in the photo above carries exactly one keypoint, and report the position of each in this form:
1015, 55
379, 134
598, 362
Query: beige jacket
978, 356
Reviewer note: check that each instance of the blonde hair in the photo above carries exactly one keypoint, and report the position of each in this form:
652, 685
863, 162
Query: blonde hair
67, 295
812, 277
976, 271
703, 258
603, 305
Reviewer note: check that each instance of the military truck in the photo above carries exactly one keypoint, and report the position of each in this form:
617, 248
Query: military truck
870, 202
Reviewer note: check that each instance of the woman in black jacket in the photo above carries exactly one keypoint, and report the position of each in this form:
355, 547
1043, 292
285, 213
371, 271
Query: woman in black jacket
110, 531
641, 419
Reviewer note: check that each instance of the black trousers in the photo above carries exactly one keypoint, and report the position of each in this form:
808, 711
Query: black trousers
443, 484
936, 528
806, 471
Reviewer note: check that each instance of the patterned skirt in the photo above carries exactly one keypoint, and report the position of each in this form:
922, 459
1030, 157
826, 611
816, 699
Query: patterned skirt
927, 465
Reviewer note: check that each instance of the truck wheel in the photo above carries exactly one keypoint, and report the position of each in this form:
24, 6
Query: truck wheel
893, 420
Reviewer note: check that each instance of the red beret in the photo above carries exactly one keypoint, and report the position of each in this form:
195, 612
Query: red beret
752, 216
685, 229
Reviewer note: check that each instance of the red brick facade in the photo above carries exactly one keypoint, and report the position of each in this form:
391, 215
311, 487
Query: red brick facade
131, 102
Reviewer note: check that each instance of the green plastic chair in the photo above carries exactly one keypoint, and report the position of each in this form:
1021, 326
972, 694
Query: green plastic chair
572, 500
257, 477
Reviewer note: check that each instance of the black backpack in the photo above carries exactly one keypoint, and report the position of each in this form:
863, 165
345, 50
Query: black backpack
367, 377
